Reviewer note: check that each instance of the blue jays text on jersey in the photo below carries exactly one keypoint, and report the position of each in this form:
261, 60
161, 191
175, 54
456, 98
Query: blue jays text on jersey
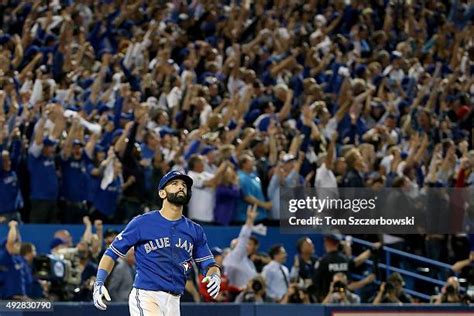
165, 242
164, 251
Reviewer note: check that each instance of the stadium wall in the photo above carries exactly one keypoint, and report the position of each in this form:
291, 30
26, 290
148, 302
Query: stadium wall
189, 309
42, 234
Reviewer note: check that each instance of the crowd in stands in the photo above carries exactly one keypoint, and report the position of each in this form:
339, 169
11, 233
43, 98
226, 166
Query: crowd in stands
98, 99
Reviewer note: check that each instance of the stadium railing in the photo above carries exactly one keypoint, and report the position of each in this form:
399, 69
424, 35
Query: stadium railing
424, 264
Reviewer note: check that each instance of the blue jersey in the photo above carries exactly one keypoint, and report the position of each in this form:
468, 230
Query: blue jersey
105, 201
12, 278
9, 191
75, 179
94, 182
44, 180
164, 251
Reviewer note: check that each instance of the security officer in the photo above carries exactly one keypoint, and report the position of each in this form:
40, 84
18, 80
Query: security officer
335, 261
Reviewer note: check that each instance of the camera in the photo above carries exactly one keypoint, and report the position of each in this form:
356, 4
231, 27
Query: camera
53, 268
257, 286
451, 290
61, 270
298, 296
339, 287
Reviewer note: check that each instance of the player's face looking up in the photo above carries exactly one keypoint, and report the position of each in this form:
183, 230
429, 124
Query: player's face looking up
177, 192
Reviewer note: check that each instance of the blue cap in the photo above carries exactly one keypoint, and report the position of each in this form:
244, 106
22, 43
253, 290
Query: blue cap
263, 122
127, 116
360, 70
5, 39
49, 142
175, 175
207, 150
77, 142
50, 37
165, 130
56, 242
117, 133
99, 148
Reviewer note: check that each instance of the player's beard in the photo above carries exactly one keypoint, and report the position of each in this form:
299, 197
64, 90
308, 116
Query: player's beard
178, 199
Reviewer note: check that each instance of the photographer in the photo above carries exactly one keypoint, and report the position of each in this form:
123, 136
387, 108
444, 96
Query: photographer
465, 270
339, 293
33, 287
254, 293
387, 294
450, 292
87, 270
78, 269
295, 295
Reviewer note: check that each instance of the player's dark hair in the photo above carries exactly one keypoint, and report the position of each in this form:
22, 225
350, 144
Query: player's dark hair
275, 250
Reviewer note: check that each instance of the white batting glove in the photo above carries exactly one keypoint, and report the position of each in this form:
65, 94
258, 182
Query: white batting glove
99, 292
214, 285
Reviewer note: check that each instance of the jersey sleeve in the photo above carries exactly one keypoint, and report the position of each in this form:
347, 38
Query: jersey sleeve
201, 253
125, 240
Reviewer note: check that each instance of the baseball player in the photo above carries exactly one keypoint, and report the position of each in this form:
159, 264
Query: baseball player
165, 244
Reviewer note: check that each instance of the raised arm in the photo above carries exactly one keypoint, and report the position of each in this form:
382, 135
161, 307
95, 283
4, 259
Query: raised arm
245, 142
2, 102
67, 147
121, 143
285, 110
330, 154
12, 236
282, 65
458, 266
240, 250
18, 51
39, 132
342, 111
90, 146
214, 181
364, 256
87, 235
30, 67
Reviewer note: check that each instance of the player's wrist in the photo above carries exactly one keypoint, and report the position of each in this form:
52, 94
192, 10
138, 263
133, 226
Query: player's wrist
215, 265
101, 277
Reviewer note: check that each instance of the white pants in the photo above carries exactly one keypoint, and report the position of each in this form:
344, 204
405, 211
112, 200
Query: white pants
153, 303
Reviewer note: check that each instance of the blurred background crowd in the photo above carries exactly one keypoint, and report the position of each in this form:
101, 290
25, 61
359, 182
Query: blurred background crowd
98, 99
